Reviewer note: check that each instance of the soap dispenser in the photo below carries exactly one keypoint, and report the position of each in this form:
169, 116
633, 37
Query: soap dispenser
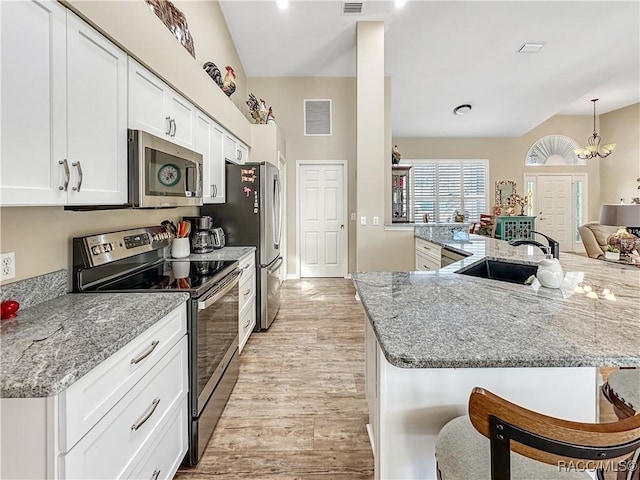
550, 272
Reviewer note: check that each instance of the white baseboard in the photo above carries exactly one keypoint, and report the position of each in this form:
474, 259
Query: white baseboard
293, 276
371, 440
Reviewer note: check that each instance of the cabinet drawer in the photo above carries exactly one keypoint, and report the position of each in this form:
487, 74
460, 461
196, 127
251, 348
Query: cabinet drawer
166, 448
428, 249
114, 443
85, 402
246, 262
246, 322
246, 290
424, 262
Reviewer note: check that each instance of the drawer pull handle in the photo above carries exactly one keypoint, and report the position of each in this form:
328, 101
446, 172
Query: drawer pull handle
247, 292
146, 417
156, 474
247, 324
426, 248
144, 355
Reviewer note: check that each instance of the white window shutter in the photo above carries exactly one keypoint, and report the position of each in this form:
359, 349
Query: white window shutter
317, 117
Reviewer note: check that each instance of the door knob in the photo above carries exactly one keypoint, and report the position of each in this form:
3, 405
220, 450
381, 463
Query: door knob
341, 227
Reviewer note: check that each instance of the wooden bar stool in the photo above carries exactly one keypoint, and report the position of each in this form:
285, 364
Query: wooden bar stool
525, 445
622, 389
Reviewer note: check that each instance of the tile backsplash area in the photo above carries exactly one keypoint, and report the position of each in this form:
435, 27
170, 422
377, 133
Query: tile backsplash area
35, 290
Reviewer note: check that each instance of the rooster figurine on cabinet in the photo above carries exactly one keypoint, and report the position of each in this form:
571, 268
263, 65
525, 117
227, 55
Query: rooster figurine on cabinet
229, 82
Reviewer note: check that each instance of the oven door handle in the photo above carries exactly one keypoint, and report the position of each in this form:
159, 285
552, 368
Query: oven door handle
206, 303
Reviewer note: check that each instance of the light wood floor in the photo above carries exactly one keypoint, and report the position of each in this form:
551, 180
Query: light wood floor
298, 410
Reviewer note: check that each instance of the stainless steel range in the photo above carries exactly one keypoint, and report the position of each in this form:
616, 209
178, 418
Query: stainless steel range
135, 261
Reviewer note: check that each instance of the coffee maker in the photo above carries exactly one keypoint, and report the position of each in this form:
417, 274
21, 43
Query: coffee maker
202, 240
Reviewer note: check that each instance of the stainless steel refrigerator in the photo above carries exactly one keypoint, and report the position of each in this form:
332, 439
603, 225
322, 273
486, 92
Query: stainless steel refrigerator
252, 216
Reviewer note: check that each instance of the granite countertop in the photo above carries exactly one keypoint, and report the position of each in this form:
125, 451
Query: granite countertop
226, 253
51, 345
442, 319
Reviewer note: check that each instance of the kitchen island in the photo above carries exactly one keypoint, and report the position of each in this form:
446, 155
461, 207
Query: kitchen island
433, 336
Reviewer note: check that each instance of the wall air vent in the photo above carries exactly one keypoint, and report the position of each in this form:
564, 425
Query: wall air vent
317, 117
352, 8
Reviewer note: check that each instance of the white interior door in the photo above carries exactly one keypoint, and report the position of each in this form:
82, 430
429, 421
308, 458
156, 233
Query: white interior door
554, 209
322, 220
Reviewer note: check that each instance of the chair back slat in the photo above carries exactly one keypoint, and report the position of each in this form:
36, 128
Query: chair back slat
548, 439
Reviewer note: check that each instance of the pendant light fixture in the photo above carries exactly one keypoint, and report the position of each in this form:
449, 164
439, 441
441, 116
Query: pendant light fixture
592, 150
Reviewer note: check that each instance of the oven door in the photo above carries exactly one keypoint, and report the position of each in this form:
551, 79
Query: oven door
214, 338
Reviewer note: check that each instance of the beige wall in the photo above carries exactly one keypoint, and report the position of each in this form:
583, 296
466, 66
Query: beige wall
506, 155
620, 170
287, 96
41, 236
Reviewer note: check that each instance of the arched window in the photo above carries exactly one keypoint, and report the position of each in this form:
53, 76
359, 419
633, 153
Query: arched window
553, 150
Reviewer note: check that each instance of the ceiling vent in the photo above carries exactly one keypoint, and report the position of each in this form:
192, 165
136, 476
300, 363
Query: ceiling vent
317, 117
352, 8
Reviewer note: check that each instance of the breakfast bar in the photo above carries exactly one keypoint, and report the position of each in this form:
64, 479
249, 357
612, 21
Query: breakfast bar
432, 336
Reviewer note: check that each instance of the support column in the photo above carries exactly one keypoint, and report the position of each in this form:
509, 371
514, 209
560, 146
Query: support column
370, 144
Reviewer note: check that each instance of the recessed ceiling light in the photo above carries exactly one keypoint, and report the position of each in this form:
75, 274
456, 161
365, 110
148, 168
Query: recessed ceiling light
462, 109
282, 4
530, 47
399, 3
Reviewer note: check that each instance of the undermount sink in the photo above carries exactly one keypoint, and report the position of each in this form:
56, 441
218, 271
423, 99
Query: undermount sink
501, 270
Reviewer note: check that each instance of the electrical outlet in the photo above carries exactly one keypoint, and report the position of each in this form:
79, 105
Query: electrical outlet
8, 266
376, 221
353, 215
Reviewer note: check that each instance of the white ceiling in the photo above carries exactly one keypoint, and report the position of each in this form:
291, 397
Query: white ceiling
441, 54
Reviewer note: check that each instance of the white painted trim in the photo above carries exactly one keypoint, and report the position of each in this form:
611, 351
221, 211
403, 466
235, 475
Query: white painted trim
282, 168
293, 276
400, 227
345, 241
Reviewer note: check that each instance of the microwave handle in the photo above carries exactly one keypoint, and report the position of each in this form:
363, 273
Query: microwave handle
196, 190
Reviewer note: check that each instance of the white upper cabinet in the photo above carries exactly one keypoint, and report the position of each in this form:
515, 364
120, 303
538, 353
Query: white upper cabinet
33, 103
97, 116
63, 109
156, 108
234, 150
208, 140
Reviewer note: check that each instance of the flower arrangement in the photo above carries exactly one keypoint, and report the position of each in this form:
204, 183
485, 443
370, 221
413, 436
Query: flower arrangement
515, 201
612, 253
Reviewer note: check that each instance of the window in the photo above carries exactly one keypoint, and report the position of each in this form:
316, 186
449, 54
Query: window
440, 187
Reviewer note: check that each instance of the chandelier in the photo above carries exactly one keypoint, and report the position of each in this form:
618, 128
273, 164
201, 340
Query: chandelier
592, 150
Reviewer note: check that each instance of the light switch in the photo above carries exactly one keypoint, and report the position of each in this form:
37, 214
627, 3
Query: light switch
363, 220
376, 220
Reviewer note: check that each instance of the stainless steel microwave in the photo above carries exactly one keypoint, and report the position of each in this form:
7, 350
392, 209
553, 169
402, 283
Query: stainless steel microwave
161, 173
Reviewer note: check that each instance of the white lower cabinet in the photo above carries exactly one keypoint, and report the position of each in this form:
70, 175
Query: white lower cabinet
246, 299
126, 418
428, 255
115, 444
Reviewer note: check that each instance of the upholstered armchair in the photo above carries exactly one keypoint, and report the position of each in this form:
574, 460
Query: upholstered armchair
594, 237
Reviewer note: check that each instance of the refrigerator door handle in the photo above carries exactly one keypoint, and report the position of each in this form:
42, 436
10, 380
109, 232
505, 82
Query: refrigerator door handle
277, 212
269, 266
276, 264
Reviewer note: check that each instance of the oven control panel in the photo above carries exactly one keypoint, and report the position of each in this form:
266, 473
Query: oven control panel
109, 247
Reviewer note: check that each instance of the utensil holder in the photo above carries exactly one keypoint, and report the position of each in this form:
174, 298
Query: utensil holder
180, 247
